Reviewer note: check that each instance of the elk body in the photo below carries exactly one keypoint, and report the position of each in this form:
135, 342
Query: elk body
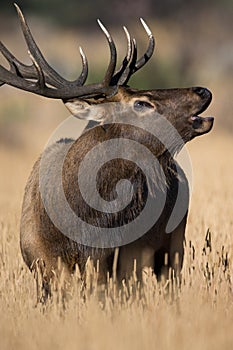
106, 103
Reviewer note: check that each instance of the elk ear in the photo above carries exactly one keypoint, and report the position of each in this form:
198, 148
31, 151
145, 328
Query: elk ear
78, 108
83, 110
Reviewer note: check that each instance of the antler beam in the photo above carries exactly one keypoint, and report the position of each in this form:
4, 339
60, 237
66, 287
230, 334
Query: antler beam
40, 78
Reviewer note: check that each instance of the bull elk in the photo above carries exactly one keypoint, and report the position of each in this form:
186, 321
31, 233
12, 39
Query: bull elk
150, 118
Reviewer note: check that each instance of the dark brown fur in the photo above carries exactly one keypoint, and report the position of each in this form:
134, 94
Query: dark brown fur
40, 239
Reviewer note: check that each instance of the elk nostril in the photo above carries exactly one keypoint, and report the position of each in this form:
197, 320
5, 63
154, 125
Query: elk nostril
202, 92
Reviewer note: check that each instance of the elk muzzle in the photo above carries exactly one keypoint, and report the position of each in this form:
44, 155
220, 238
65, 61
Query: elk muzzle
202, 125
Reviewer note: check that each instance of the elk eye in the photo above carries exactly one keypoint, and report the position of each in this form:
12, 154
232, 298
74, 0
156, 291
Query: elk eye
141, 106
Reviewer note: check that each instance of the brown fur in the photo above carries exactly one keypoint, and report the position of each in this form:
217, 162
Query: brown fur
40, 239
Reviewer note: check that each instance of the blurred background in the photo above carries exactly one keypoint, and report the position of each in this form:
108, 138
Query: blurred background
194, 48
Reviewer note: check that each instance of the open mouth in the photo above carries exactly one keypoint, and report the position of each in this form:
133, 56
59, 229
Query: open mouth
201, 124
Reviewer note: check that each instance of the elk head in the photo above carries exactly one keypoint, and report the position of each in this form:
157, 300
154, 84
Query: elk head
181, 107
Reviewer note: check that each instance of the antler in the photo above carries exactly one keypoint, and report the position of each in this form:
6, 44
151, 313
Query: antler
40, 78
124, 74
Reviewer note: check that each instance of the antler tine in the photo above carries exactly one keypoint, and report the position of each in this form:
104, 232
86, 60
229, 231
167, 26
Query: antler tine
53, 77
130, 69
121, 71
16, 66
83, 76
40, 74
149, 52
112, 64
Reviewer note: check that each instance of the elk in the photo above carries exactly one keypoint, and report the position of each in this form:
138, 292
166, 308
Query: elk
120, 113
